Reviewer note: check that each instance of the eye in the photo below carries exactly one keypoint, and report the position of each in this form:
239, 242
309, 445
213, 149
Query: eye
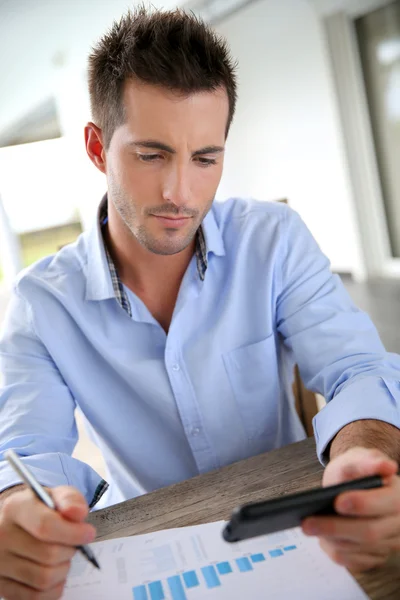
206, 162
149, 157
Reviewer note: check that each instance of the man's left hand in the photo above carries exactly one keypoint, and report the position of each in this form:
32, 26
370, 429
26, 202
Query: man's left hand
369, 529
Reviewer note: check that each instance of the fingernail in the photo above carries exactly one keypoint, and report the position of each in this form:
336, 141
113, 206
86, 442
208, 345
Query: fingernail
311, 528
67, 504
90, 536
346, 505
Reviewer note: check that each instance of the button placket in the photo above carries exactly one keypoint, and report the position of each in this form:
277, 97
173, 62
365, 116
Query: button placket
188, 409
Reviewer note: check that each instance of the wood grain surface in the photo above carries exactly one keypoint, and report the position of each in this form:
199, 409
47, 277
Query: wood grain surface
213, 496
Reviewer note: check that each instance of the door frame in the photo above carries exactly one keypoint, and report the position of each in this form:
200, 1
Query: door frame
357, 133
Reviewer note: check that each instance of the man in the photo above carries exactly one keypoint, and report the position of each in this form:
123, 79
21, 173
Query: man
173, 323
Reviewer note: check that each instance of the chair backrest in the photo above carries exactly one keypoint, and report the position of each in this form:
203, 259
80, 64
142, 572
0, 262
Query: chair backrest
305, 401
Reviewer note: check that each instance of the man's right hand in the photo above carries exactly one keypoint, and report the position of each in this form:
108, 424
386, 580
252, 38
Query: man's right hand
37, 543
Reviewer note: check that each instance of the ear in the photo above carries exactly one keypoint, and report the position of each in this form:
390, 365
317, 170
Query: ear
94, 146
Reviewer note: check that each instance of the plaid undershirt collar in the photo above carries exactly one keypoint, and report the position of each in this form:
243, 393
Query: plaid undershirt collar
119, 291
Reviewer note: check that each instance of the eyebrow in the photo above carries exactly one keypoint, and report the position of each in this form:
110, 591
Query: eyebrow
156, 145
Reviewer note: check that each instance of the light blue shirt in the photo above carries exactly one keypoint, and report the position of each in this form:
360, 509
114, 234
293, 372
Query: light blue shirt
216, 389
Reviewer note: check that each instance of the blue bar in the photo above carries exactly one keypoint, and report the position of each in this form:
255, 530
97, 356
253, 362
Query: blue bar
190, 578
290, 548
275, 553
244, 564
140, 593
211, 577
176, 587
224, 568
156, 591
257, 558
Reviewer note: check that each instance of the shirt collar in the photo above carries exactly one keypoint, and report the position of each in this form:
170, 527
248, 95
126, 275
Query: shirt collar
214, 242
99, 284
103, 281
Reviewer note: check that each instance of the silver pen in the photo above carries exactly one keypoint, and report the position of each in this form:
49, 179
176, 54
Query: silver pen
31, 481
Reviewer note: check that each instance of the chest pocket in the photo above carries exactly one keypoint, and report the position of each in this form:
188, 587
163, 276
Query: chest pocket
254, 377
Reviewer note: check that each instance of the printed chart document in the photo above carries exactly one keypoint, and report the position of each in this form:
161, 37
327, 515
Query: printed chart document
193, 563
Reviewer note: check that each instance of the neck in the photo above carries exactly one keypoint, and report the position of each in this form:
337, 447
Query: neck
137, 267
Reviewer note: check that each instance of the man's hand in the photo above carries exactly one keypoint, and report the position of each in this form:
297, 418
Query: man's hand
369, 529
37, 543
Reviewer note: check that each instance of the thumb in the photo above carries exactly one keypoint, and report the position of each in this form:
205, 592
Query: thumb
356, 463
70, 503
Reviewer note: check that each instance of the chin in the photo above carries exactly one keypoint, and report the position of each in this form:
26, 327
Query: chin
166, 248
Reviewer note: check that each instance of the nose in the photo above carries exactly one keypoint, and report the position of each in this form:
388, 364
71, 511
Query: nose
176, 186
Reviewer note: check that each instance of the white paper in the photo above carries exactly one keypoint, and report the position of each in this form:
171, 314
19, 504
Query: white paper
185, 563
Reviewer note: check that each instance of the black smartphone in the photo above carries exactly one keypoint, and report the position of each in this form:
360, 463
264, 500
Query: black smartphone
259, 518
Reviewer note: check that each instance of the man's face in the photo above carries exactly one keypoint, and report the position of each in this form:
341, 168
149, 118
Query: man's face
165, 162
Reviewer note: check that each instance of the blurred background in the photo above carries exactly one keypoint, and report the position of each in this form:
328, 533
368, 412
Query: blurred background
317, 123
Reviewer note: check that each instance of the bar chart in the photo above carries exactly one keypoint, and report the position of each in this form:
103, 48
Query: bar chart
208, 577
196, 563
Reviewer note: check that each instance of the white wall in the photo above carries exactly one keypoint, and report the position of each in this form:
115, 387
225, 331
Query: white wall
44, 46
286, 141
35, 35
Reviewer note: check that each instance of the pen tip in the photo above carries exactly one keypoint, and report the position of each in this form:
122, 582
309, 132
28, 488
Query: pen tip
95, 563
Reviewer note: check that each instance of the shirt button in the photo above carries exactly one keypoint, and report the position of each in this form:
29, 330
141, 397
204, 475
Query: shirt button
175, 367
195, 431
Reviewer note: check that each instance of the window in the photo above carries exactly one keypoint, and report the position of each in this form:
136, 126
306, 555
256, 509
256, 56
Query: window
378, 35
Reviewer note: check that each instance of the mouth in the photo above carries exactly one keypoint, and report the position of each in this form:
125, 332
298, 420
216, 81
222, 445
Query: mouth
172, 222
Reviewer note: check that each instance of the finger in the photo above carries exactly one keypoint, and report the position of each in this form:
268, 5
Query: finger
361, 530
379, 551
360, 563
70, 502
22, 544
12, 589
38, 577
45, 524
378, 502
393, 543
355, 562
348, 547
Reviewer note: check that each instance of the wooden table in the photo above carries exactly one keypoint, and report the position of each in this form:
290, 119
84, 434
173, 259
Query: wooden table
212, 496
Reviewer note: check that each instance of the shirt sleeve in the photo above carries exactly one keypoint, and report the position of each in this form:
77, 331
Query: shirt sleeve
336, 346
37, 410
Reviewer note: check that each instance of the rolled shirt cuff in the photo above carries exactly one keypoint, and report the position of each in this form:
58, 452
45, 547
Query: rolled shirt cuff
54, 469
375, 398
